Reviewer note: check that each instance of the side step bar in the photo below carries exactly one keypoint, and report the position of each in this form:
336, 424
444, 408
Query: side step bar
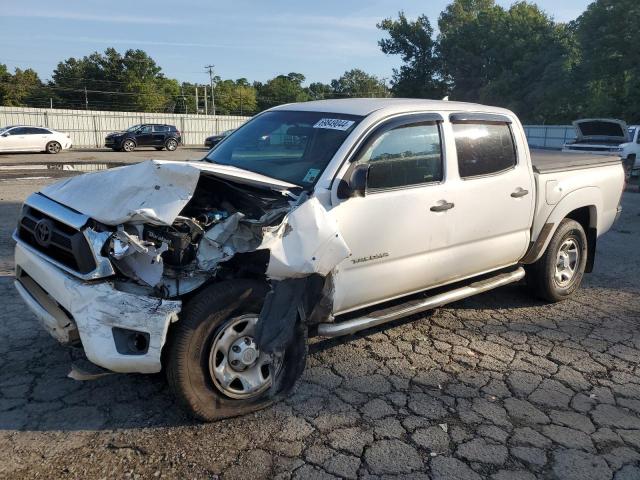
388, 315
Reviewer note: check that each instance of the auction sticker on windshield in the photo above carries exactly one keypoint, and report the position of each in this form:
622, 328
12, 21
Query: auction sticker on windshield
311, 175
334, 124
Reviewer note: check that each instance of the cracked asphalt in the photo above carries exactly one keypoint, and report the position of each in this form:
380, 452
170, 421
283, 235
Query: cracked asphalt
498, 386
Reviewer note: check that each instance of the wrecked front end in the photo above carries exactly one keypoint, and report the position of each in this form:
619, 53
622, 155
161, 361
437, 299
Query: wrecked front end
115, 277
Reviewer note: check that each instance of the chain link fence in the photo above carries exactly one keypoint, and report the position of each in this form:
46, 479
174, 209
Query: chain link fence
88, 128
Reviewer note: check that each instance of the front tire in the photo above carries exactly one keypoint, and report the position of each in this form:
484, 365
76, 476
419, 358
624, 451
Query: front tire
214, 366
128, 146
53, 148
558, 273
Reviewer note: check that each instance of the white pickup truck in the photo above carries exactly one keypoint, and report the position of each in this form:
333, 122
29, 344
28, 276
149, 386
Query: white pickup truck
319, 218
602, 136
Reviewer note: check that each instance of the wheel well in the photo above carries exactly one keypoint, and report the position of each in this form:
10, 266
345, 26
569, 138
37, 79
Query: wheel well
587, 217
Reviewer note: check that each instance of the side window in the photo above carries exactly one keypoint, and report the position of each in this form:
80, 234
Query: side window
18, 131
145, 129
39, 131
405, 156
484, 148
160, 128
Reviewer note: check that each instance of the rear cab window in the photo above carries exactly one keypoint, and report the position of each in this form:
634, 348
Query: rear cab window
484, 147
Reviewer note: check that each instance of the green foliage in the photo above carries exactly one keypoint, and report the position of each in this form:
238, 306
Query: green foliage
235, 97
517, 58
281, 89
609, 73
357, 83
413, 41
20, 88
131, 81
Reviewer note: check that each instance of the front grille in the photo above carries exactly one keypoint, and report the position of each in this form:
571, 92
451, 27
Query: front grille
67, 246
590, 149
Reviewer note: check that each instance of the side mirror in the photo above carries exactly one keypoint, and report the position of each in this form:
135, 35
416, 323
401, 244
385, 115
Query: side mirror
356, 186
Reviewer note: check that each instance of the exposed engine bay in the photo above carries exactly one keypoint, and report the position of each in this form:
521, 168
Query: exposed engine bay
171, 228
220, 220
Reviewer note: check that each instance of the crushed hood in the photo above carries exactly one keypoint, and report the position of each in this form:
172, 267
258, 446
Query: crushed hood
153, 192
601, 130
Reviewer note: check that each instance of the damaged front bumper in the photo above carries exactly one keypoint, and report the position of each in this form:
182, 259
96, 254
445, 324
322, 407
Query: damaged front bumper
119, 331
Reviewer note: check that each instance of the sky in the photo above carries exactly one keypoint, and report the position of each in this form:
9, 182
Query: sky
256, 40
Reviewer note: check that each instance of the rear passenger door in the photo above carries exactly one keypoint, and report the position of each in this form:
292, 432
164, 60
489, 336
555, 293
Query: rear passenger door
144, 136
494, 193
159, 135
399, 231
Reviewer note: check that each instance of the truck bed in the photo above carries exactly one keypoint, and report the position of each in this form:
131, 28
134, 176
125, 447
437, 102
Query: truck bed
546, 161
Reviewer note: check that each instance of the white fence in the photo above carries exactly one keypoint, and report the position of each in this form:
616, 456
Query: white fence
89, 127
549, 136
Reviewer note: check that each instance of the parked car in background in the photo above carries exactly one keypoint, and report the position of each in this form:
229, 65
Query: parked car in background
156, 135
25, 138
602, 136
213, 140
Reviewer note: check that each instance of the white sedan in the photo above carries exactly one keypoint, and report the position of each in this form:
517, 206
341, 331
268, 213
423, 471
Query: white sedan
22, 138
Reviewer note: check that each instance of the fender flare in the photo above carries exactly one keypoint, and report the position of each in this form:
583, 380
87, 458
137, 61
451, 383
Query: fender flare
589, 197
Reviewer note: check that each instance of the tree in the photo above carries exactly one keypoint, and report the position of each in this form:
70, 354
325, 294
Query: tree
517, 58
413, 41
319, 91
132, 81
281, 89
235, 97
20, 88
357, 83
609, 72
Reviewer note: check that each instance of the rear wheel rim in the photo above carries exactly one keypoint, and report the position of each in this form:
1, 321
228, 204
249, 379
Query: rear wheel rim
236, 366
567, 262
54, 147
171, 145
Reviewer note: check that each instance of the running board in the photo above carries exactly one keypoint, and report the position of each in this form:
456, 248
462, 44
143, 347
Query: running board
394, 313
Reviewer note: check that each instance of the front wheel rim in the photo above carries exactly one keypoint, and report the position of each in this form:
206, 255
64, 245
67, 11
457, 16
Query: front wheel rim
567, 262
236, 366
54, 148
128, 146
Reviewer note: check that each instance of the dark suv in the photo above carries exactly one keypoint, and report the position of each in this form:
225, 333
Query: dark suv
155, 135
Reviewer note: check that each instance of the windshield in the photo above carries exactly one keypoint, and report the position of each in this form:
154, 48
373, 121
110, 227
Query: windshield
632, 134
4, 129
291, 146
134, 128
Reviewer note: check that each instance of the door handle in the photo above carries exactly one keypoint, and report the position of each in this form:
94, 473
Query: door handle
442, 207
520, 192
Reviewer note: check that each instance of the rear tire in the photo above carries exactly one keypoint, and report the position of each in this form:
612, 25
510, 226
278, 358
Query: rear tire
171, 144
558, 273
53, 148
200, 354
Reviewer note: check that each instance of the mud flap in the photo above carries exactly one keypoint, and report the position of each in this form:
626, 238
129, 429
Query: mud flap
287, 301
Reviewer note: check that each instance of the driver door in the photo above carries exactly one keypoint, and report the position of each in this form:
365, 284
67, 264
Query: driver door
399, 230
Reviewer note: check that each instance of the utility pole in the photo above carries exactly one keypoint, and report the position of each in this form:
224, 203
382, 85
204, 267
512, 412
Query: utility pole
197, 104
86, 99
213, 97
206, 108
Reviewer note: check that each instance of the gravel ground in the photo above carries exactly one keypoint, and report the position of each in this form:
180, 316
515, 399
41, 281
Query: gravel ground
498, 386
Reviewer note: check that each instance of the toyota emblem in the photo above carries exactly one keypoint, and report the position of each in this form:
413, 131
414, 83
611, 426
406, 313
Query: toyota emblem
43, 232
